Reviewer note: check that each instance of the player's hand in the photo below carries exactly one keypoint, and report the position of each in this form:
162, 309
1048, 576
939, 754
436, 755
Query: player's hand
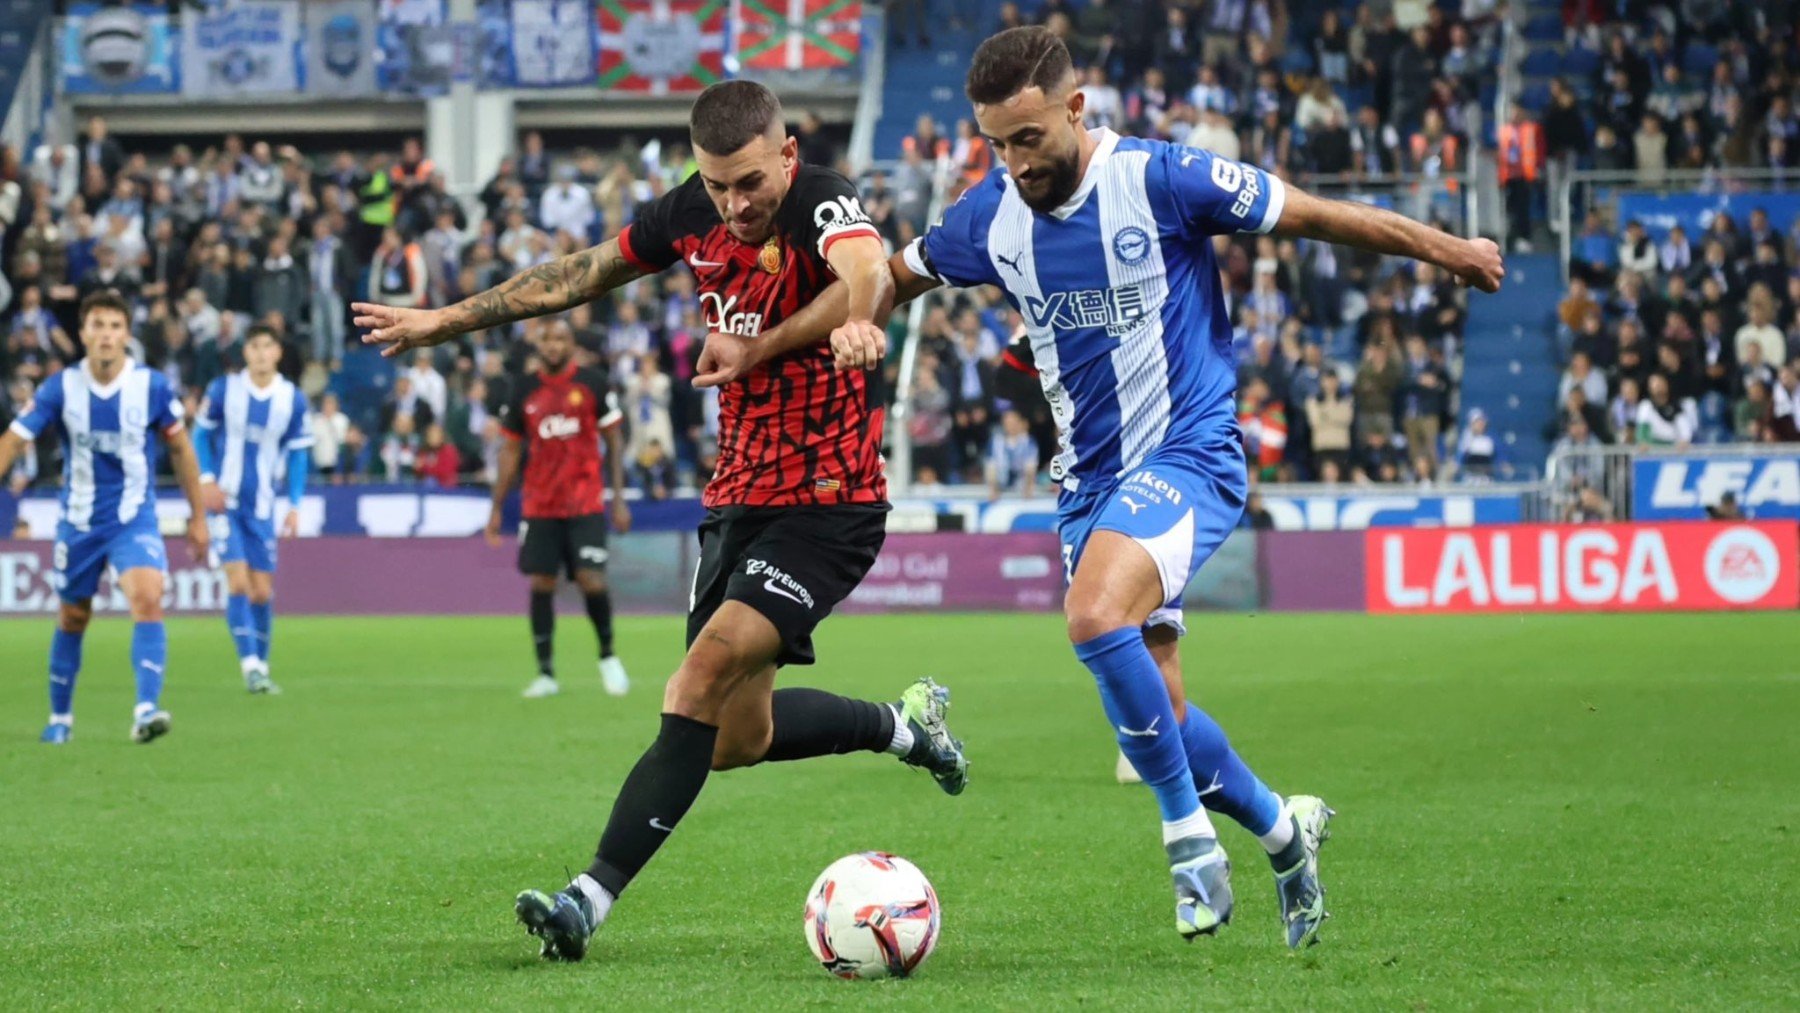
1483, 269
725, 358
290, 525
858, 344
199, 537
492, 531
621, 515
212, 497
401, 330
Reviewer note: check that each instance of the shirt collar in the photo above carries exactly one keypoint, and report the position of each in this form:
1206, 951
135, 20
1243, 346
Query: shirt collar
1106, 142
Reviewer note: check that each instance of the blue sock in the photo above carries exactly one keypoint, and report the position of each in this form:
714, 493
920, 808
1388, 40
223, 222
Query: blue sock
65, 665
262, 622
1132, 691
149, 653
1226, 784
243, 633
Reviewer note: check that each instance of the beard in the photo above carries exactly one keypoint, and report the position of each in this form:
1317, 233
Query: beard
1060, 181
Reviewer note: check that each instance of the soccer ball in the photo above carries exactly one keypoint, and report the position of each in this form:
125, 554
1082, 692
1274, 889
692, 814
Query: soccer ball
871, 915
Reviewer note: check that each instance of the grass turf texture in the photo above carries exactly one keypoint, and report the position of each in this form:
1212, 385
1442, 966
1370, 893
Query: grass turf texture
1544, 812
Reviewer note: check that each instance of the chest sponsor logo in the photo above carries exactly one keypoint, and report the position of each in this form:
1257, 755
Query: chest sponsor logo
721, 314
1120, 310
558, 427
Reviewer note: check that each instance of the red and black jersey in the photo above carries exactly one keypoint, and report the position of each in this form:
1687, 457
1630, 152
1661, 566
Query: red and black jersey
561, 416
795, 430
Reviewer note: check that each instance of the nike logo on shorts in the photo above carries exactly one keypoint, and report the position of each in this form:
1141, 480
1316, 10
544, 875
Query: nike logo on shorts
774, 588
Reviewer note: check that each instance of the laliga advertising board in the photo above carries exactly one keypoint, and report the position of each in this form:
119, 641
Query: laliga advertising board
1568, 568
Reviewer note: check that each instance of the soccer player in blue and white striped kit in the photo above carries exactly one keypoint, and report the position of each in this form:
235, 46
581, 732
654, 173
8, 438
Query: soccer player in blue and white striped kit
252, 428
110, 411
1105, 246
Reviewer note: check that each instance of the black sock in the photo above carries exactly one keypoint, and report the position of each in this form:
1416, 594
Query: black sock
600, 611
812, 722
656, 795
543, 629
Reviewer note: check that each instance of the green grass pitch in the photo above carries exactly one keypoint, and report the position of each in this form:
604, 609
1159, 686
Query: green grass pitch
1544, 813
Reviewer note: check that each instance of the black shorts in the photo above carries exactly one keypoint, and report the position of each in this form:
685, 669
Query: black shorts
791, 564
552, 545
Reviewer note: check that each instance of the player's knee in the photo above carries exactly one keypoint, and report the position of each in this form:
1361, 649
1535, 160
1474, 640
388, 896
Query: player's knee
543, 583
591, 583
146, 607
1089, 617
73, 617
712, 670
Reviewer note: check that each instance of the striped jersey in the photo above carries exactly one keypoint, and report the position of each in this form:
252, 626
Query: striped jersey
109, 434
1120, 293
254, 429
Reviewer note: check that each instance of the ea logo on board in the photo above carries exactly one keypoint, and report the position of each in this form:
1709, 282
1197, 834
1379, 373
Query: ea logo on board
114, 45
1742, 565
1131, 245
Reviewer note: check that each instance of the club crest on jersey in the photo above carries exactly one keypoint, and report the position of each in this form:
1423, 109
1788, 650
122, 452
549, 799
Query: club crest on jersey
1131, 245
770, 258
1119, 310
575, 398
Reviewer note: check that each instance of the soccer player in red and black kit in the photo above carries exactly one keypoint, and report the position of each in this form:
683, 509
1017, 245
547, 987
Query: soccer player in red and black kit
555, 420
796, 512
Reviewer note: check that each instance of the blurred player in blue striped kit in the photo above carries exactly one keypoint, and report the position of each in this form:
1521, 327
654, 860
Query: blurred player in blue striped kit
1105, 246
109, 411
252, 428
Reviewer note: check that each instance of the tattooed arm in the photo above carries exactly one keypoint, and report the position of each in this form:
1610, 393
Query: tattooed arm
545, 289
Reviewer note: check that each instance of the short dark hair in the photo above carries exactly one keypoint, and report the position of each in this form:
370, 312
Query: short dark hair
731, 114
1014, 60
103, 299
261, 331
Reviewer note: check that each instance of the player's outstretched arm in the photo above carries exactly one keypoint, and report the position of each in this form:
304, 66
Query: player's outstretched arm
727, 357
1474, 262
615, 467
551, 287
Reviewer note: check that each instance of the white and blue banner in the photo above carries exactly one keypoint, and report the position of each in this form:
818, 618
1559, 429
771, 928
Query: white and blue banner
1767, 487
552, 43
1694, 212
127, 50
250, 47
340, 49
417, 47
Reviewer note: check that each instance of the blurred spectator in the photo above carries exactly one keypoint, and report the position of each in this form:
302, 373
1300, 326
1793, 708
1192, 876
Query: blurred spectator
1521, 153
1761, 333
330, 429
1265, 428
99, 149
1581, 373
1013, 459
1477, 452
567, 206
397, 276
1425, 401
281, 285
1328, 417
437, 461
648, 396
331, 277
1661, 420
427, 383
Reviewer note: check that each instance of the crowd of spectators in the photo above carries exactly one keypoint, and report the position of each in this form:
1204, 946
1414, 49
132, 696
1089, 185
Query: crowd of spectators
206, 244
1671, 336
1347, 362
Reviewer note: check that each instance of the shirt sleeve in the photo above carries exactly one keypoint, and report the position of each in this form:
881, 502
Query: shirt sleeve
44, 410
165, 408
611, 415
828, 209
649, 241
949, 252
1214, 195
299, 435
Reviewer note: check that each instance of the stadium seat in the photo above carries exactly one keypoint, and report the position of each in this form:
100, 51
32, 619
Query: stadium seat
1544, 28
1580, 61
1542, 62
1698, 60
